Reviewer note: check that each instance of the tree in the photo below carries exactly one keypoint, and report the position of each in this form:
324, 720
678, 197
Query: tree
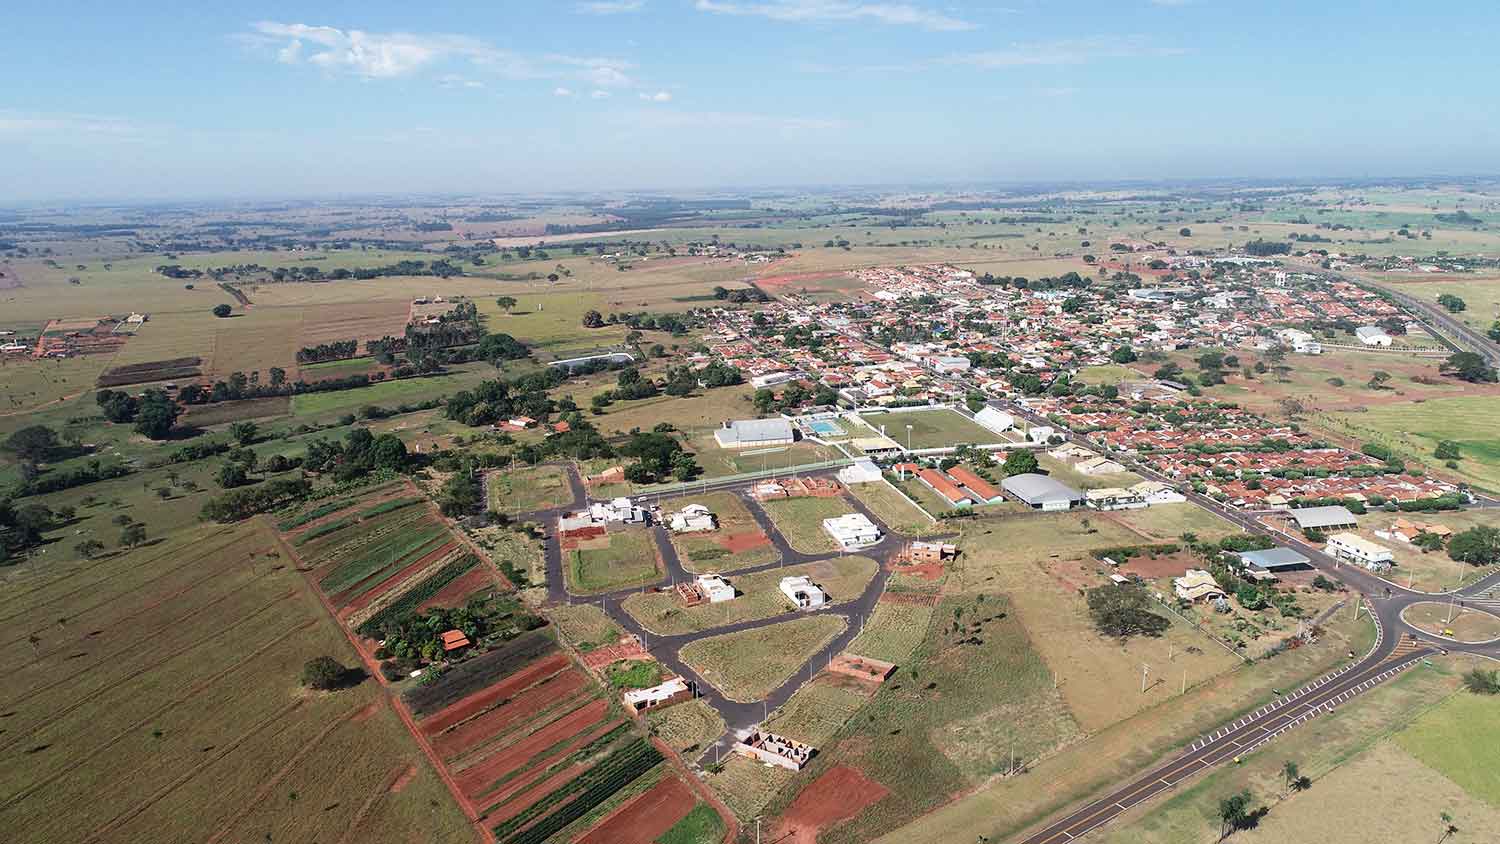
133, 535
1378, 379
1452, 303
1124, 611
222, 311
157, 415
1469, 366
244, 432
1482, 682
1447, 450
1185, 232
1428, 542
1477, 546
593, 319
36, 443
1234, 814
506, 303
231, 475
278, 376
88, 548
1020, 462
1292, 777
1124, 354
325, 673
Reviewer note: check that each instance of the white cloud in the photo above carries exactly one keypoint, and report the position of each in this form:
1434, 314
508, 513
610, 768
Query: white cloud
611, 7
24, 123
598, 71
725, 120
1067, 51
562, 92
797, 11
658, 97
599, 95
375, 55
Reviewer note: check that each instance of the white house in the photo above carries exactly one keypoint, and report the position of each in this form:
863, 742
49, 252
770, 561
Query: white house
800, 590
715, 588
617, 510
946, 364
1040, 433
862, 471
1114, 498
852, 530
1156, 492
1300, 341
1356, 549
1098, 466
694, 518
1372, 335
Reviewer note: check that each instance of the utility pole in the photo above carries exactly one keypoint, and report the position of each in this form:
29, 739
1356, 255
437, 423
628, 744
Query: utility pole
1145, 671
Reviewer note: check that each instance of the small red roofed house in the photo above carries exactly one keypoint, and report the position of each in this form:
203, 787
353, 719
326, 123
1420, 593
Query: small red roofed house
453, 640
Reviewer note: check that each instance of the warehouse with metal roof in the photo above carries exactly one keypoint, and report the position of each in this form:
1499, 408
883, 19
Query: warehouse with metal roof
1041, 492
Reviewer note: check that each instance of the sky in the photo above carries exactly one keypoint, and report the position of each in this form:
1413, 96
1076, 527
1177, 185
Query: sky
277, 99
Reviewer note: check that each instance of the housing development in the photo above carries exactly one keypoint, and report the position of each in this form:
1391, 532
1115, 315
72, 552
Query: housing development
637, 422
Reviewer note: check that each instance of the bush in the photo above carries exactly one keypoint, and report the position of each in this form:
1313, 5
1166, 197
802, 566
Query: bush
325, 673
222, 311
1124, 611
1482, 682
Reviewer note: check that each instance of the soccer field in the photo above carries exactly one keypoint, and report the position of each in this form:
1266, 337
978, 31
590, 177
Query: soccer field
937, 428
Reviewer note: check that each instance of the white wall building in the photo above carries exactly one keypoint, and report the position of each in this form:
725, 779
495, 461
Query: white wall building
852, 530
715, 588
751, 433
995, 419
800, 590
694, 518
1356, 549
862, 471
1372, 335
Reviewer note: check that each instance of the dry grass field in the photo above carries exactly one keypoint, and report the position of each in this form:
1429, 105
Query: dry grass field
748, 665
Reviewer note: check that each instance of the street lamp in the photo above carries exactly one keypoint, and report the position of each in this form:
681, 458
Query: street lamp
908, 438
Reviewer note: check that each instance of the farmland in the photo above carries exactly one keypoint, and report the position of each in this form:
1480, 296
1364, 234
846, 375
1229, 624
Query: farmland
843, 578
800, 520
623, 558
738, 543
180, 660
1414, 429
750, 664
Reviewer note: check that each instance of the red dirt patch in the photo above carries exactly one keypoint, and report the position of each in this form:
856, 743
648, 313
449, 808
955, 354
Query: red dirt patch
793, 278
838, 795
406, 777
1165, 565
476, 730
361, 601
364, 714
457, 592
925, 571
570, 540
475, 778
919, 599
646, 817
862, 667
465, 708
739, 542
629, 648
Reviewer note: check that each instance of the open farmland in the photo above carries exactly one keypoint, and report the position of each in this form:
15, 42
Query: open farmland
180, 662
843, 578
750, 664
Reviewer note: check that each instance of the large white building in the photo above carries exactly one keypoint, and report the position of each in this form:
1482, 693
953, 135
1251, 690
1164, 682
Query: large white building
1372, 335
694, 518
752, 433
1356, 549
852, 530
800, 590
715, 588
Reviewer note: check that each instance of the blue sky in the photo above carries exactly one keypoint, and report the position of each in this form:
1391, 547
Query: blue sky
298, 99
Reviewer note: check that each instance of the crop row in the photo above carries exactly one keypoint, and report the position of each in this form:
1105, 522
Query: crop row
593, 787
377, 559
314, 514
325, 529
476, 673
571, 759
388, 506
414, 596
345, 547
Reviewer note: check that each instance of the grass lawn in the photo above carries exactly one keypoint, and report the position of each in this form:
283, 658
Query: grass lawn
686, 727
628, 560
584, 626
1458, 740
891, 507
818, 710
662, 613
704, 552
800, 520
1108, 374
893, 631
530, 488
1459, 623
1168, 522
1365, 786
721, 462
1414, 430
939, 428
749, 665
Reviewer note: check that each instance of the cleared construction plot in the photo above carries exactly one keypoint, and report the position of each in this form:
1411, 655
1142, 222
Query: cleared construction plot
663, 613
750, 664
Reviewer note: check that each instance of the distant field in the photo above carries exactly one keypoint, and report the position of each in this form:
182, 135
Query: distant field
1415, 430
525, 489
1454, 740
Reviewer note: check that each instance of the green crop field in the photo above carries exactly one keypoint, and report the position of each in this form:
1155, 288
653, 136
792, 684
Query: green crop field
931, 428
1457, 739
843, 578
1415, 429
750, 664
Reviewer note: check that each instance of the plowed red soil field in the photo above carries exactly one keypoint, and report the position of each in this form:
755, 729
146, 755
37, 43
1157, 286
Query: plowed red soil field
838, 795
457, 592
738, 542
647, 817
486, 697
476, 730
473, 779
